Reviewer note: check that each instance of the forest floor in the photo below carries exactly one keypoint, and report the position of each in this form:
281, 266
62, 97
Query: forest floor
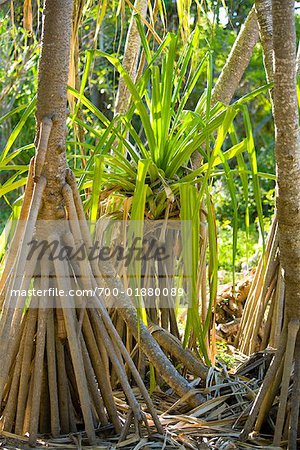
216, 424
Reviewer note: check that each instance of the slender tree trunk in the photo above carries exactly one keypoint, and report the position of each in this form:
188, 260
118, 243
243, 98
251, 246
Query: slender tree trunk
131, 56
264, 17
236, 64
237, 61
287, 151
52, 103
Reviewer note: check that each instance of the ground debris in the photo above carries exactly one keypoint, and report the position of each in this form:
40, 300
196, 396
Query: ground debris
215, 424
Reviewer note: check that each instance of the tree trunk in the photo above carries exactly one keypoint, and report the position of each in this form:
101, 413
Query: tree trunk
237, 61
287, 151
236, 64
52, 103
264, 17
131, 56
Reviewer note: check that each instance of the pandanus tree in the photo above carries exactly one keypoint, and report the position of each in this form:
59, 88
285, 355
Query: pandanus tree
57, 353
287, 151
55, 361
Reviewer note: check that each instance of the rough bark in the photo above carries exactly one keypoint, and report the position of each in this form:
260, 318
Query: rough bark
131, 56
237, 61
264, 16
173, 346
157, 357
52, 99
287, 150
